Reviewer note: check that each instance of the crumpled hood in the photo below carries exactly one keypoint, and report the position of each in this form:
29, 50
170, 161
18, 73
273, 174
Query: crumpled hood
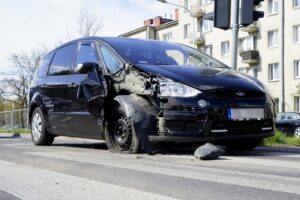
204, 78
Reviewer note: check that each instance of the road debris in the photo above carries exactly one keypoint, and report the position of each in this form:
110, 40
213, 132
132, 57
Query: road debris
209, 152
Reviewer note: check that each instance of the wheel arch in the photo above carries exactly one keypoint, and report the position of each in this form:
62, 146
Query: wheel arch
36, 101
141, 115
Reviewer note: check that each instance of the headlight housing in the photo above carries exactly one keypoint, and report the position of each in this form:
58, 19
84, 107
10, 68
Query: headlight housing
169, 88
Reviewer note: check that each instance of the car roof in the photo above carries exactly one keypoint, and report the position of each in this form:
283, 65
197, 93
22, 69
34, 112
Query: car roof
289, 113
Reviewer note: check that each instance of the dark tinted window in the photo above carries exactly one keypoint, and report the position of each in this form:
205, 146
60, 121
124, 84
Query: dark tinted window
112, 63
152, 52
87, 53
61, 63
44, 64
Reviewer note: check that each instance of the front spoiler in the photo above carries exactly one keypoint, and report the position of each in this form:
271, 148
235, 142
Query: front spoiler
179, 139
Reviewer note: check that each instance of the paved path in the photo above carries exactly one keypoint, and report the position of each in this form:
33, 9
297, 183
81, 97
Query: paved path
84, 169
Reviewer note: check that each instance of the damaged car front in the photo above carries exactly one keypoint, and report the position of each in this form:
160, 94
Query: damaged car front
195, 98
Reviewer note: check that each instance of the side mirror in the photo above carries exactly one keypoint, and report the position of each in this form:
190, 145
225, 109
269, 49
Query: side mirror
85, 68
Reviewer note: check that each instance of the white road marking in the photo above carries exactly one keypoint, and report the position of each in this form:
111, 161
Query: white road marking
33, 183
252, 180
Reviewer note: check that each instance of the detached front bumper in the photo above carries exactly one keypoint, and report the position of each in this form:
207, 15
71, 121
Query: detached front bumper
208, 126
224, 138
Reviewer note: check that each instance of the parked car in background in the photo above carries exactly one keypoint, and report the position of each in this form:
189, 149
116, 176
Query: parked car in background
136, 93
289, 123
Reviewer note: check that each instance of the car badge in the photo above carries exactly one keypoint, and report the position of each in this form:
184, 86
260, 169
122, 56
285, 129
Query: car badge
241, 94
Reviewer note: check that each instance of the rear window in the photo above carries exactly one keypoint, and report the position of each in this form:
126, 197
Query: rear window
62, 61
44, 64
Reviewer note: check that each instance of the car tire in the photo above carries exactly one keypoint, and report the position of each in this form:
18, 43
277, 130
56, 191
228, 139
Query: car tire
120, 134
243, 144
297, 132
39, 134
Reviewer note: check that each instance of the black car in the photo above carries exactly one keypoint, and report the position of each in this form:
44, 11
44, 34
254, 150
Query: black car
289, 123
139, 94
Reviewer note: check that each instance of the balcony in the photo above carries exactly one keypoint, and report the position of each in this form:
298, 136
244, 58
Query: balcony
252, 29
199, 39
196, 11
250, 57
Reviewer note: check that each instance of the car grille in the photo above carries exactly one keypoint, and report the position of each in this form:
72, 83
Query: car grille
242, 127
233, 94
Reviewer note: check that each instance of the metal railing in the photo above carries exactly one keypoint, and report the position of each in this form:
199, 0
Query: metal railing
13, 119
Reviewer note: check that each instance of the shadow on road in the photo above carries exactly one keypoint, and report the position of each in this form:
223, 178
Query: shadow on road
99, 145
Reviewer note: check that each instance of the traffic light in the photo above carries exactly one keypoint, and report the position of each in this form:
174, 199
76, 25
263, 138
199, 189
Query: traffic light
222, 14
248, 12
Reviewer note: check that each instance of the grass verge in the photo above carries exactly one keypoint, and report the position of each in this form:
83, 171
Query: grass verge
14, 130
280, 139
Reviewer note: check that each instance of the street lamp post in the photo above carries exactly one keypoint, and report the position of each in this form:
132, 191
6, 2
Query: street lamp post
189, 11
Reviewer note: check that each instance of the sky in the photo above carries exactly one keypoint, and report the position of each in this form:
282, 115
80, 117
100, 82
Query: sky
28, 24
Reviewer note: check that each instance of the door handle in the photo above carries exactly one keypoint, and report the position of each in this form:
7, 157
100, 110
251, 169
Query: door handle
44, 86
72, 85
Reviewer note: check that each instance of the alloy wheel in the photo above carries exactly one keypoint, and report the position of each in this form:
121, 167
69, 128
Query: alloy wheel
297, 132
36, 127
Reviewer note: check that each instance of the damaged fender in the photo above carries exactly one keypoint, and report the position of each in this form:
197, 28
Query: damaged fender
142, 117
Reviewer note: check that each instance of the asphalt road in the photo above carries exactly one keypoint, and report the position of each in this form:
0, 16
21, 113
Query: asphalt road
85, 169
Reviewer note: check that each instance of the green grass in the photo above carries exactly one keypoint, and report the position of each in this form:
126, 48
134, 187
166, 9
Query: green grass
280, 139
14, 130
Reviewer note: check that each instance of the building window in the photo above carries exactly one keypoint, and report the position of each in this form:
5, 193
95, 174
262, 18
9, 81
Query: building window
167, 37
187, 31
207, 50
296, 3
252, 71
247, 43
186, 5
205, 2
297, 69
273, 38
274, 72
297, 34
206, 26
225, 48
273, 7
297, 104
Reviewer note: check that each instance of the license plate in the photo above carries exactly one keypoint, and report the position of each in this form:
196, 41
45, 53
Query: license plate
245, 113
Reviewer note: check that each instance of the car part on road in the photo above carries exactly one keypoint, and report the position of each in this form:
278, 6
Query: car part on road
208, 152
39, 134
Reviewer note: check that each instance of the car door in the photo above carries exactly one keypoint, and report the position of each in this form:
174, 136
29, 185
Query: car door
80, 121
55, 88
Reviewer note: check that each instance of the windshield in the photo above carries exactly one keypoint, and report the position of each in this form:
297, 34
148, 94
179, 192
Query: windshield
153, 52
288, 116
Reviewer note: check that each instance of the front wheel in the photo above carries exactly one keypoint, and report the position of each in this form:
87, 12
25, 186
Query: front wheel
39, 134
297, 132
120, 135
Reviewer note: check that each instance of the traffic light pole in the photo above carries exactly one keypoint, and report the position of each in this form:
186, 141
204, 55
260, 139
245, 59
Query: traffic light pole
235, 32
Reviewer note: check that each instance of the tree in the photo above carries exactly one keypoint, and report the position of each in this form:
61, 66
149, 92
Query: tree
87, 24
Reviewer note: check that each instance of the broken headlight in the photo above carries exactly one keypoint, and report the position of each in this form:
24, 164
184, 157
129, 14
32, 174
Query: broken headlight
169, 88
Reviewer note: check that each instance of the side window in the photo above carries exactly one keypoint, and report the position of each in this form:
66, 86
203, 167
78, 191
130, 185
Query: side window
87, 53
62, 61
111, 62
44, 64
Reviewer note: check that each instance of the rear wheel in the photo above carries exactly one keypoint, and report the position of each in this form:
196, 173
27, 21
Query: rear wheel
243, 144
297, 132
120, 135
39, 134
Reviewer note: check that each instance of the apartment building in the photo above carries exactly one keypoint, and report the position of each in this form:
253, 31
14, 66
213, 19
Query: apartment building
260, 49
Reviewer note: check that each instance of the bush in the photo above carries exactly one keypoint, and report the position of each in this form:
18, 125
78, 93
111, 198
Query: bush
281, 139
